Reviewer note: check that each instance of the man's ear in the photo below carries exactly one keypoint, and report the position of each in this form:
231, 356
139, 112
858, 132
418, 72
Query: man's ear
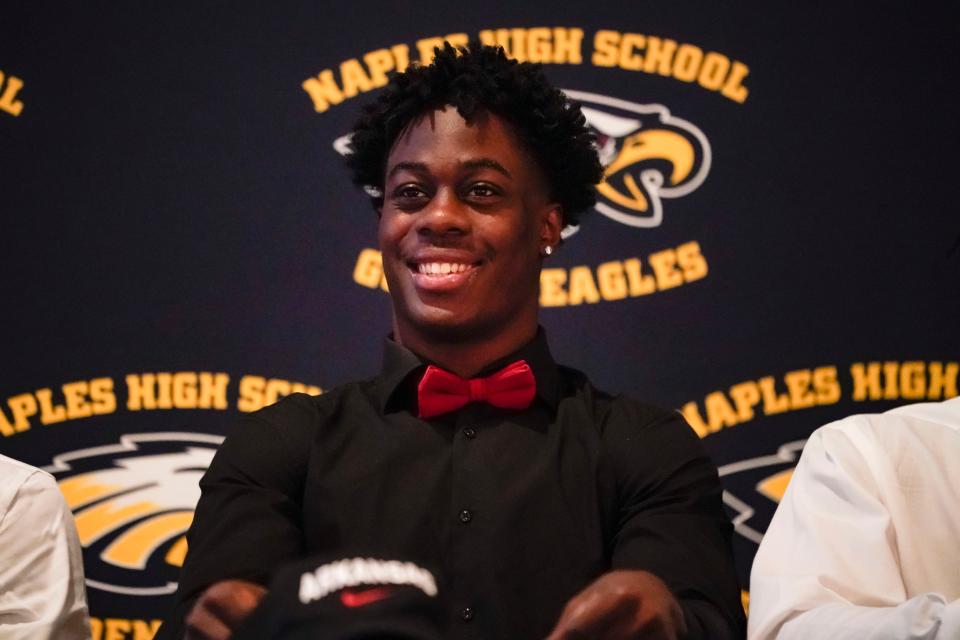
551, 224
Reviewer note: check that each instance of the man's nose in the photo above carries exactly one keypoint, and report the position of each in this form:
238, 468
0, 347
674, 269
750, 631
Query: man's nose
445, 215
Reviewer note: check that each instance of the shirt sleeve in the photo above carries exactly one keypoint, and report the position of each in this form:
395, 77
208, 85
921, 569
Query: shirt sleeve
248, 520
671, 518
828, 566
42, 593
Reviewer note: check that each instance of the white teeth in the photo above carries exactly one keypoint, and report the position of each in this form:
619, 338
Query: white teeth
441, 268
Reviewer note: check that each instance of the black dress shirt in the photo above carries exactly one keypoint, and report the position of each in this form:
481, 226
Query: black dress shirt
519, 510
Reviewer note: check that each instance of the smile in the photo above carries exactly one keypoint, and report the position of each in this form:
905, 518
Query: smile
441, 268
442, 277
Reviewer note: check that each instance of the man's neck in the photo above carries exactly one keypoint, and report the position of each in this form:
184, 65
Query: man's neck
465, 358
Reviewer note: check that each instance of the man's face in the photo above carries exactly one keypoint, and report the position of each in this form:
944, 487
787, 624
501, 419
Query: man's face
464, 220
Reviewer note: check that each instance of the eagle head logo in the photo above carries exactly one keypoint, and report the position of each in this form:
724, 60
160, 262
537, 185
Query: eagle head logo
754, 487
133, 502
647, 154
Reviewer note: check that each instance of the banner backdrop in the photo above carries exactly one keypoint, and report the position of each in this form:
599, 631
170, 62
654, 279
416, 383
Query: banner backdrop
775, 246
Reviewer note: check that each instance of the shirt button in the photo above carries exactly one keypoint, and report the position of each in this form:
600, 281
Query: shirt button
470, 432
466, 614
465, 517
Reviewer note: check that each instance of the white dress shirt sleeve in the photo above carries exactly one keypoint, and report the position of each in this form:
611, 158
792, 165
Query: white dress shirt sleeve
828, 565
42, 593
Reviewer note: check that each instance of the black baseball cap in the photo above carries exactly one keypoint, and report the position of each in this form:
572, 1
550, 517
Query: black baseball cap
353, 597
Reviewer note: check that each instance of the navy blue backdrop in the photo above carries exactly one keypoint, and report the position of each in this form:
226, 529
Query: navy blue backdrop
776, 245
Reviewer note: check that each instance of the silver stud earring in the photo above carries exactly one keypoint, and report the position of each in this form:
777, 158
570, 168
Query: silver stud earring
548, 250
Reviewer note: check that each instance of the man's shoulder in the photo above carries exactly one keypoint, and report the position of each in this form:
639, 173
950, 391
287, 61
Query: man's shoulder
617, 409
298, 408
20, 481
904, 432
15, 472
294, 421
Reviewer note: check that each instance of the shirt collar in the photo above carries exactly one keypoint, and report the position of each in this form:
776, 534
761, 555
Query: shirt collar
402, 370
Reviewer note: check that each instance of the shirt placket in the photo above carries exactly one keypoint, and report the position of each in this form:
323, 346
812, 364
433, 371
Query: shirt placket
468, 510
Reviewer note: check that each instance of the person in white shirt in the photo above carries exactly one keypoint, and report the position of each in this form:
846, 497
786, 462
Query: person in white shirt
42, 593
866, 542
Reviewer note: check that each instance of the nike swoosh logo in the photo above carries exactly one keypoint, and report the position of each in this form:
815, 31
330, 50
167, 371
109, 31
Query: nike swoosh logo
362, 598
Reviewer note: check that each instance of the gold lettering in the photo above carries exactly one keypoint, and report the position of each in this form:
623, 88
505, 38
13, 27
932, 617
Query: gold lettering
612, 281
164, 390
21, 408
50, 413
538, 45
659, 56
518, 49
119, 628
913, 380
691, 412
798, 387
354, 78
582, 287
184, 390
141, 392
746, 396
251, 393
8, 100
891, 389
719, 411
826, 385
640, 285
734, 88
664, 263
145, 629
498, 38
368, 271
692, 262
426, 46
943, 380
567, 45
401, 57
75, 395
379, 62
773, 403
713, 71
629, 59
605, 50
213, 390
116, 629
323, 90
686, 64
866, 381
103, 400
552, 293
6, 428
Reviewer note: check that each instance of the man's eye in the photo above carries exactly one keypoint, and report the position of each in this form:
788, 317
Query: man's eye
482, 190
408, 191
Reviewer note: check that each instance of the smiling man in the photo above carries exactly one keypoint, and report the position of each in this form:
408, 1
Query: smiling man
552, 509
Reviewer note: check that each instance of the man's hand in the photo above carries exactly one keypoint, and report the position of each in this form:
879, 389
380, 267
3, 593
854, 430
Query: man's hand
221, 608
622, 605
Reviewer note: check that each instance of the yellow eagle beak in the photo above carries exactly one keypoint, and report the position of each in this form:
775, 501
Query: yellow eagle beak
654, 144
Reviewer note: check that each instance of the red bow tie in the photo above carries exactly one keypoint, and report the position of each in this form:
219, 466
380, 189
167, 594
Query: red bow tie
439, 391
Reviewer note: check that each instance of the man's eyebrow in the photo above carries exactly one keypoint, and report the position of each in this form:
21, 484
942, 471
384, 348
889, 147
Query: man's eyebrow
478, 163
415, 167
488, 163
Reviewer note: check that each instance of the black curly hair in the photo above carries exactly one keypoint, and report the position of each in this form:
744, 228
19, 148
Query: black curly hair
478, 79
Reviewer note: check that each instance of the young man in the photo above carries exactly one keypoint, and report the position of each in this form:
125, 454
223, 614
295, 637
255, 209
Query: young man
552, 508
